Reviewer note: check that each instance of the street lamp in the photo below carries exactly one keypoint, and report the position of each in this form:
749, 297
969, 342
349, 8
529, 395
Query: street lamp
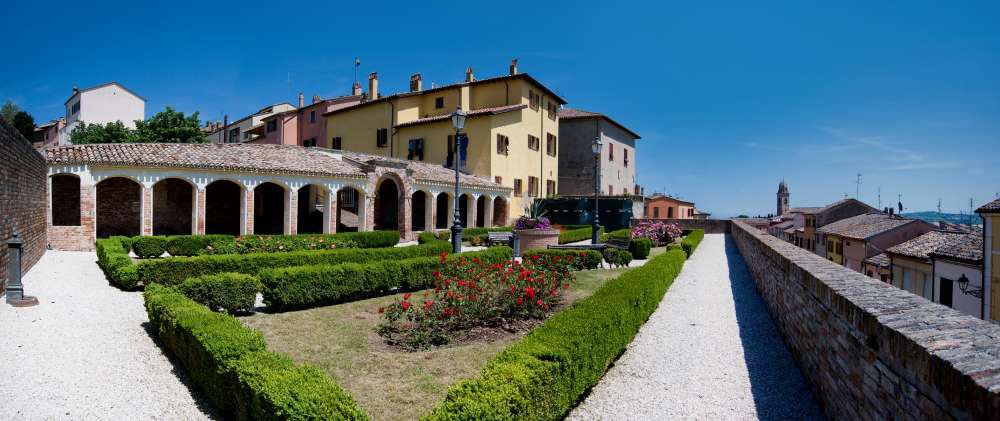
595, 229
457, 120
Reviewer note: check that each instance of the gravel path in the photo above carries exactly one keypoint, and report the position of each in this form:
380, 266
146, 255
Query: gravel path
84, 352
710, 351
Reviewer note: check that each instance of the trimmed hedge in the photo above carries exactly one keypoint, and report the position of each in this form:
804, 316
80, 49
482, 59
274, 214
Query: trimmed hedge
285, 243
582, 259
639, 247
617, 257
194, 245
430, 237
312, 286
579, 234
175, 270
691, 241
232, 292
113, 259
231, 365
149, 246
543, 376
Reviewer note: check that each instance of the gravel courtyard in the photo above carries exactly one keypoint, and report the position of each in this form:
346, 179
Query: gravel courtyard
84, 353
710, 351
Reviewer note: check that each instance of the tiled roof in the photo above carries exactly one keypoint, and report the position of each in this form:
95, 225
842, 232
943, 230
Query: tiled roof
426, 172
992, 207
922, 246
808, 210
784, 225
472, 113
965, 247
880, 260
572, 113
862, 227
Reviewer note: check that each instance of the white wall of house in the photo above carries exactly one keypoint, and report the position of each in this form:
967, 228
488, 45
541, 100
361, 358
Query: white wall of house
243, 125
950, 270
105, 104
616, 175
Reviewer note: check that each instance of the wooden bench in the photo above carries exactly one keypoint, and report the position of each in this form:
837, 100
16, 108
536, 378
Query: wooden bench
499, 237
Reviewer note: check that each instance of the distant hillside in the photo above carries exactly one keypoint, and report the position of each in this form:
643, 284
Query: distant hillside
955, 218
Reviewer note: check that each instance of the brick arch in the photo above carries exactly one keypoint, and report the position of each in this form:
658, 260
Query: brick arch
420, 203
270, 208
118, 206
500, 211
350, 206
174, 206
224, 206
311, 210
64, 202
443, 210
389, 204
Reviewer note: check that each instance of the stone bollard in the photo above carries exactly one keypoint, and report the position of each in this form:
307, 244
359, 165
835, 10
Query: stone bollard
15, 289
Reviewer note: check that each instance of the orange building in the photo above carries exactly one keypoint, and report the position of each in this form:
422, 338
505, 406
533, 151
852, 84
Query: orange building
665, 207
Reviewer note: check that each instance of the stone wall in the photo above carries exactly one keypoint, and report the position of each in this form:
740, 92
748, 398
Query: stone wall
711, 226
23, 189
870, 350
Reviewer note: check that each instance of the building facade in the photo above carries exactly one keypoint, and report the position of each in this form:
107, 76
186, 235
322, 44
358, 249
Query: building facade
783, 198
303, 126
849, 242
242, 130
958, 274
50, 134
990, 213
578, 129
102, 104
512, 130
659, 206
912, 266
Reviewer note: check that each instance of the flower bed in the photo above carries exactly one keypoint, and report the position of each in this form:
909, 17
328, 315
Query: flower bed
660, 233
196, 245
316, 285
470, 292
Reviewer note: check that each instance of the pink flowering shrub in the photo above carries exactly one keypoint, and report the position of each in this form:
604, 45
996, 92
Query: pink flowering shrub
526, 223
660, 233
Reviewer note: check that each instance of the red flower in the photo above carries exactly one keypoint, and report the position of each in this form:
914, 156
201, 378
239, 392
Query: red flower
407, 296
381, 310
405, 305
565, 286
520, 301
513, 289
530, 292
443, 256
428, 304
554, 292
539, 302
461, 283
437, 274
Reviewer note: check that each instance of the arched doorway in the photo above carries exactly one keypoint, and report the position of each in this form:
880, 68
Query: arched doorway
173, 204
119, 203
387, 206
499, 212
463, 209
348, 205
269, 206
442, 211
312, 199
65, 200
481, 211
223, 207
418, 212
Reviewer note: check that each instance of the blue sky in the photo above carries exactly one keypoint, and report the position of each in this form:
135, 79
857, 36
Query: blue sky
729, 98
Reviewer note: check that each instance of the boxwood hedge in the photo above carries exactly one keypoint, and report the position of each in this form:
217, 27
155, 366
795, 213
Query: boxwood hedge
542, 376
149, 246
578, 234
582, 259
193, 245
113, 259
232, 292
231, 365
316, 285
691, 241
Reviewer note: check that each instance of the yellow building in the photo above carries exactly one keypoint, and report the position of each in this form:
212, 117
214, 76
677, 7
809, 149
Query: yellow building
991, 258
512, 127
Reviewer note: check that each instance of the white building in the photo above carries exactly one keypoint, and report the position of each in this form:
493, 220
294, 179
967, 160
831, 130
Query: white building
102, 104
958, 273
239, 130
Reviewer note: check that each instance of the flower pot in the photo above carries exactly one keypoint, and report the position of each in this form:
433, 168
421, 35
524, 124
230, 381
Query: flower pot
537, 239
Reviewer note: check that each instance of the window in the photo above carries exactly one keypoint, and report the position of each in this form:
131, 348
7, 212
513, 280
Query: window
611, 189
840, 248
439, 102
553, 110
550, 187
234, 135
533, 143
518, 189
75, 108
656, 212
415, 150
625, 157
670, 212
272, 125
534, 100
347, 198
611, 152
550, 144
533, 186
829, 247
690, 212
309, 143
382, 138
312, 116
498, 179
336, 143
503, 144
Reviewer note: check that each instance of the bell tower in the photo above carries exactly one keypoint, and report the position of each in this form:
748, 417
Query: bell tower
782, 198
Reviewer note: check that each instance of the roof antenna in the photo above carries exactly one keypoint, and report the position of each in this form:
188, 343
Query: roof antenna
357, 63
857, 188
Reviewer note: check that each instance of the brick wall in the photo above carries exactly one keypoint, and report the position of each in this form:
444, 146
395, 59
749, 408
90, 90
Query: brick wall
711, 226
869, 350
23, 188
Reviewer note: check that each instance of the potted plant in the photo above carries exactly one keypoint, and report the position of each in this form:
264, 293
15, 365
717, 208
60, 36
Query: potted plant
534, 230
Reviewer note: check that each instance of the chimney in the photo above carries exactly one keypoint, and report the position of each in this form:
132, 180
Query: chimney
356, 89
302, 100
316, 99
415, 83
469, 77
373, 85
513, 67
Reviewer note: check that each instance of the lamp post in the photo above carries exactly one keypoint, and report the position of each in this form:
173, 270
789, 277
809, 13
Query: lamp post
457, 120
596, 228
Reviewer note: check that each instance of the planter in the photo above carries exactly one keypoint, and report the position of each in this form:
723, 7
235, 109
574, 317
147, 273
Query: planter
537, 239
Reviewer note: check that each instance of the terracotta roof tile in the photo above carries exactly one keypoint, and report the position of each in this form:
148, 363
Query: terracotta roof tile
862, 227
992, 207
880, 260
922, 246
965, 247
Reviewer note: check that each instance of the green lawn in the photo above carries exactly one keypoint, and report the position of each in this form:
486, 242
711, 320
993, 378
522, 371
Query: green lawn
387, 383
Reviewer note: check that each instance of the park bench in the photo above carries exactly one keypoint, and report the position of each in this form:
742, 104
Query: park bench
500, 237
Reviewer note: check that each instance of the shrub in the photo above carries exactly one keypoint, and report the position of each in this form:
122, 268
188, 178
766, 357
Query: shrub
617, 257
640, 247
113, 259
622, 233
231, 365
175, 270
691, 242
473, 292
149, 246
544, 375
578, 234
430, 237
194, 245
582, 259
658, 232
316, 285
232, 292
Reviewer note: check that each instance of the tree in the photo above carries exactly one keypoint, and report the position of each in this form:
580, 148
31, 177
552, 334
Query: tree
9, 110
170, 126
114, 132
25, 124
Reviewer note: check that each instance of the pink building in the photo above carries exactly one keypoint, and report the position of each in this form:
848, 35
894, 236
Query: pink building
303, 126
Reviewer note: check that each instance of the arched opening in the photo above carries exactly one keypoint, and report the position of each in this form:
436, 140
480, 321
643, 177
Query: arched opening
442, 206
173, 203
387, 206
418, 212
269, 209
499, 212
312, 202
65, 200
481, 211
348, 203
119, 203
463, 209
223, 207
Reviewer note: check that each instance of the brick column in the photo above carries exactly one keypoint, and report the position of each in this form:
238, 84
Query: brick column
473, 203
88, 214
406, 225
488, 212
146, 211
369, 214
248, 212
330, 213
292, 211
199, 223
430, 213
